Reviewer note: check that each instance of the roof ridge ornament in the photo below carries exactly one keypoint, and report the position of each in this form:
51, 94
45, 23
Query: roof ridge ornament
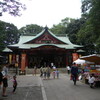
46, 27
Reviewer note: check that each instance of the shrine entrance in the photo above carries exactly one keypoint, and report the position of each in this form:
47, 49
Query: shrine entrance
45, 58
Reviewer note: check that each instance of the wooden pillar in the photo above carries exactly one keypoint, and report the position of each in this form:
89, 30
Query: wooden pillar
26, 61
23, 62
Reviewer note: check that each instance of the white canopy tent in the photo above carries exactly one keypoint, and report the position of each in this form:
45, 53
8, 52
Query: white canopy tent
81, 61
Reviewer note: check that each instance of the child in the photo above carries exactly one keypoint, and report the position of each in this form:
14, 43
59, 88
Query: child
57, 73
14, 84
92, 80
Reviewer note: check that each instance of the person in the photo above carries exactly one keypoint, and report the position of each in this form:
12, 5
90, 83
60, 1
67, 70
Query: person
41, 71
68, 69
52, 65
1, 76
54, 72
14, 84
74, 73
44, 72
92, 81
48, 71
5, 80
35, 70
57, 73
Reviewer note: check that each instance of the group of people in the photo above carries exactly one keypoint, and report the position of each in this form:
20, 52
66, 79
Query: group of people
45, 72
75, 74
4, 80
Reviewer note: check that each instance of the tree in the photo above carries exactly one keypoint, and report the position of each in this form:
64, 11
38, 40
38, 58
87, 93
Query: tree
86, 37
13, 7
61, 27
95, 21
66, 21
31, 29
86, 6
92, 26
58, 29
73, 28
8, 34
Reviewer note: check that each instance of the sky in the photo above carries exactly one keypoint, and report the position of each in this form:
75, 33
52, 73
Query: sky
45, 12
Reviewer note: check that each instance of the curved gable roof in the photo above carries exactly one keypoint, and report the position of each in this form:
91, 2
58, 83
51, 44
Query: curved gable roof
45, 30
25, 39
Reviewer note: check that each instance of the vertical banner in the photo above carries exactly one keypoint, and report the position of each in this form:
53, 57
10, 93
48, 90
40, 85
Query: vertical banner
75, 56
10, 58
14, 58
23, 62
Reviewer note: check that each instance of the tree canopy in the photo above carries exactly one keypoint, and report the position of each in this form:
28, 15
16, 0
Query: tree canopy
31, 29
8, 34
13, 7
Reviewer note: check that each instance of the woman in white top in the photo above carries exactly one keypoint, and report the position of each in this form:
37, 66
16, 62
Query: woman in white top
92, 81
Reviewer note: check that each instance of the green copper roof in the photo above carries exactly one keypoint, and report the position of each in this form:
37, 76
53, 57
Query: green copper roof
24, 39
7, 50
29, 46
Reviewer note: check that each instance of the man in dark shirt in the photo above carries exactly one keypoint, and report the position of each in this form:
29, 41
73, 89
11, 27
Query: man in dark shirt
74, 72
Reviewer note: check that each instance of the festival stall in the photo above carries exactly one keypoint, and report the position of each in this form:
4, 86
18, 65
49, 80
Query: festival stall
92, 68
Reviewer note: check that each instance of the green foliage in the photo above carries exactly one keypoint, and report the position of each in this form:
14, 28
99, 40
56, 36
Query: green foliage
8, 34
58, 29
89, 34
95, 16
73, 28
31, 29
97, 45
61, 27
13, 7
86, 6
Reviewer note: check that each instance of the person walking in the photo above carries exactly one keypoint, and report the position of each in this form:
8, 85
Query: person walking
14, 84
74, 73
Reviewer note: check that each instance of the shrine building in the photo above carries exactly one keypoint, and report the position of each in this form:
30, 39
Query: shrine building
42, 50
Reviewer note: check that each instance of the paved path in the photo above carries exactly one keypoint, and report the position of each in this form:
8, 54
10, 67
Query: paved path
63, 89
34, 88
29, 88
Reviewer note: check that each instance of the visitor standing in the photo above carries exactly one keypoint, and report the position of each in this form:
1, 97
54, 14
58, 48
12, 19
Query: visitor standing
44, 72
68, 69
48, 71
14, 84
57, 73
41, 71
54, 71
74, 73
5, 80
35, 70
